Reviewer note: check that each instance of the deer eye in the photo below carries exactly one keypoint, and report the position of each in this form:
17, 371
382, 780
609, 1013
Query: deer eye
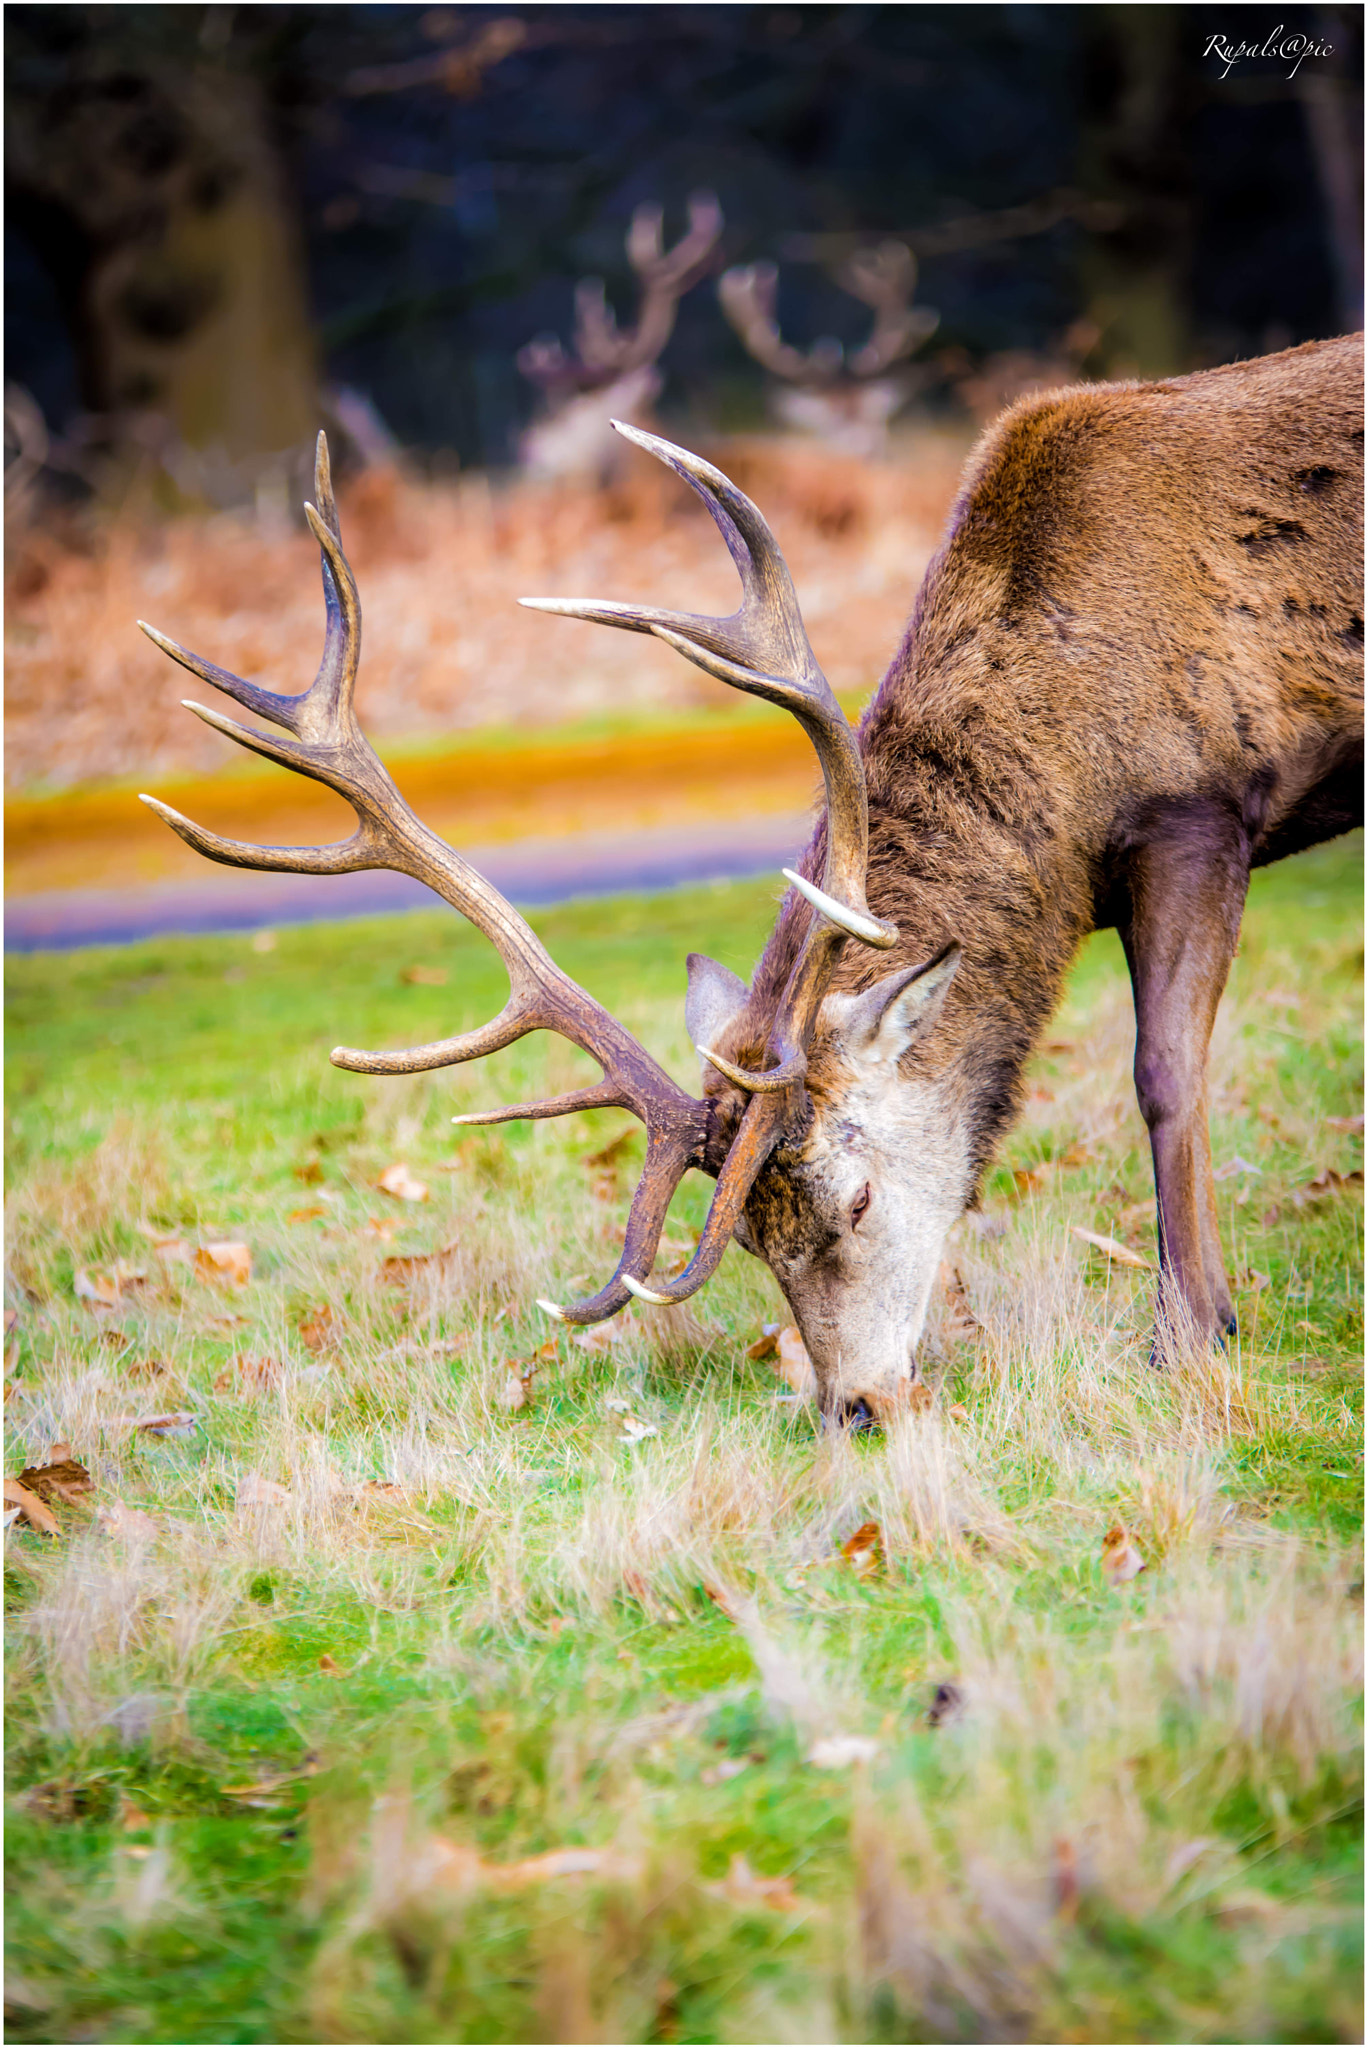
858, 1206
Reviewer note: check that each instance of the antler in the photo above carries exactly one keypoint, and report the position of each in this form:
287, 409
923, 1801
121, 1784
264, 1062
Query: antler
762, 649
884, 278
328, 745
603, 351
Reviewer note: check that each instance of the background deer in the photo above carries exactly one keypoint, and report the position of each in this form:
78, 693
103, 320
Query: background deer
1133, 674
611, 372
846, 398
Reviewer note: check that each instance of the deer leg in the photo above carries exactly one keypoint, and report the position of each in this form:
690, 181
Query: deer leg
1187, 890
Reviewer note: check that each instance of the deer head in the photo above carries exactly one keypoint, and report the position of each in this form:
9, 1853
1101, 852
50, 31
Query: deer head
832, 1163
846, 399
611, 371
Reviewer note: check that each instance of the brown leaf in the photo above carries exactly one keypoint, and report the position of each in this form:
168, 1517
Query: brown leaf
766, 1344
1121, 1560
31, 1509
62, 1480
957, 1412
330, 1667
423, 977
958, 1321
125, 1524
603, 1336
516, 1391
179, 1423
396, 1180
255, 1492
1270, 1217
382, 1227
1352, 1124
1058, 1047
399, 1269
227, 1260
251, 1375
1326, 1185
1255, 1282
305, 1215
57, 1452
145, 1369
1113, 1248
320, 1332
310, 1172
863, 1551
131, 1817
794, 1366
1032, 1180
610, 1155
721, 1597
100, 1290
920, 1398
743, 1886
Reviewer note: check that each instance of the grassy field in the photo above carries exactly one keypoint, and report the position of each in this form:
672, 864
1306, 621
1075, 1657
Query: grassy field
367, 1705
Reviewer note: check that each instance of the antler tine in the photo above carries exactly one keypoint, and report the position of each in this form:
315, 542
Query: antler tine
748, 294
763, 649
885, 278
328, 745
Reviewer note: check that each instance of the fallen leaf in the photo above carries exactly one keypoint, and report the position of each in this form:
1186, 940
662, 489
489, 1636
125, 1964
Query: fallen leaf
794, 1366
57, 1452
330, 1667
226, 1260
399, 1269
310, 1172
423, 977
634, 1432
396, 1180
766, 1344
1270, 1217
1057, 1047
603, 1336
320, 1332
384, 1229
31, 1509
131, 1817
1255, 1282
920, 1398
146, 1369
1121, 1561
838, 1752
181, 1423
610, 1155
251, 1375
1122, 1253
64, 1479
124, 1523
729, 1767
957, 1412
743, 1886
305, 1215
863, 1551
255, 1492
1352, 1124
1326, 1184
721, 1597
1032, 1180
101, 1290
617, 1406
1233, 1166
515, 1393
958, 1321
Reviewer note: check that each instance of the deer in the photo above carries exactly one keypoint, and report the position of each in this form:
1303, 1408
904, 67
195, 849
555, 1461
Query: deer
846, 398
1132, 675
612, 371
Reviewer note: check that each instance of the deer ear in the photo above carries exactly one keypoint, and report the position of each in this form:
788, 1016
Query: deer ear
898, 1011
715, 996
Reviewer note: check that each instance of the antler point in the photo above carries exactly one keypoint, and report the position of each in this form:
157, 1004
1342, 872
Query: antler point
645, 1293
550, 1306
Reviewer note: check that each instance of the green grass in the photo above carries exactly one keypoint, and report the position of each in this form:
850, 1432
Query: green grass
1144, 1822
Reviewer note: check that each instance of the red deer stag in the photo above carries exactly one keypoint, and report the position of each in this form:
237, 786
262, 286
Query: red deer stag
612, 372
1132, 675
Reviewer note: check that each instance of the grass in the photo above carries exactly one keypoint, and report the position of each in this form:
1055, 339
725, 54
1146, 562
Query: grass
277, 1766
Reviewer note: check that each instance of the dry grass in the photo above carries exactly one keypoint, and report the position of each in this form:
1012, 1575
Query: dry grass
440, 569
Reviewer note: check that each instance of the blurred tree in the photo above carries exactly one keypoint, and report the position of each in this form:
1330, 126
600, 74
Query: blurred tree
145, 172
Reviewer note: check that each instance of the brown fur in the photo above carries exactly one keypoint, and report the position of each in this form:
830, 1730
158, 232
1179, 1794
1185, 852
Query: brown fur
1133, 673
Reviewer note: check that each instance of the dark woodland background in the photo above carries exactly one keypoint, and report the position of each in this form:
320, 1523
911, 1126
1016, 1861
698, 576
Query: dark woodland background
213, 210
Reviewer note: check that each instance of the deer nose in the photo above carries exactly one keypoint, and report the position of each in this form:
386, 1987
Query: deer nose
857, 1416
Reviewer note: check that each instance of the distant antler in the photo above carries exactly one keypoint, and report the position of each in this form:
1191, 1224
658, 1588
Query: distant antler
884, 277
603, 351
